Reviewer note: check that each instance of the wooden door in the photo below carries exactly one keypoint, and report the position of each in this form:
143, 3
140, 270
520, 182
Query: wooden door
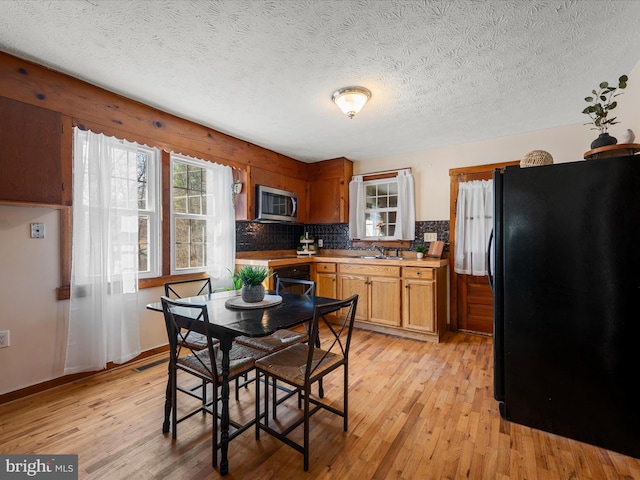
475, 304
471, 300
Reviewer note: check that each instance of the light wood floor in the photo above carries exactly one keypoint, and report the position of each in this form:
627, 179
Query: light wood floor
416, 411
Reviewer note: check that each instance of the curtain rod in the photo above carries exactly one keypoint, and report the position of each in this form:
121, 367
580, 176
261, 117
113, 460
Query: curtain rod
382, 172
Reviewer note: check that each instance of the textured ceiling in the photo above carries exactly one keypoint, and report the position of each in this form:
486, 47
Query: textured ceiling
441, 72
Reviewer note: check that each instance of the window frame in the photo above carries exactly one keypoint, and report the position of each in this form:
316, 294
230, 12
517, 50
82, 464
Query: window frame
380, 181
153, 209
173, 215
154, 199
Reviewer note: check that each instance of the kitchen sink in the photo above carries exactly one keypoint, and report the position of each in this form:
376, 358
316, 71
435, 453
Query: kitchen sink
380, 257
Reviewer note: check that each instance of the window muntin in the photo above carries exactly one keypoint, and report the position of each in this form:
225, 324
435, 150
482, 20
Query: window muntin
381, 208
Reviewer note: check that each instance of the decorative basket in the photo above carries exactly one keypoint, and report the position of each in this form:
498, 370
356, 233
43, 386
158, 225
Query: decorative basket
536, 158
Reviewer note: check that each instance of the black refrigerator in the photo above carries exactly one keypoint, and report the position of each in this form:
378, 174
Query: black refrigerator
566, 280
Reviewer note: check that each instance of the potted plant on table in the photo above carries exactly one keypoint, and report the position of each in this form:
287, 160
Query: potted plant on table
602, 102
420, 249
252, 277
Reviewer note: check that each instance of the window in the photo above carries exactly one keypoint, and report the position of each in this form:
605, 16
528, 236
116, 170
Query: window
381, 208
133, 168
189, 214
193, 214
202, 219
128, 183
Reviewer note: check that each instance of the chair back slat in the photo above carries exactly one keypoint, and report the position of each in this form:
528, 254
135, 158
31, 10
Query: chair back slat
188, 288
174, 308
336, 335
295, 285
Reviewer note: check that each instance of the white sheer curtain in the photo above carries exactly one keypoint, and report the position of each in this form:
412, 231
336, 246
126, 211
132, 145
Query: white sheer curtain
474, 221
356, 207
103, 310
406, 218
221, 225
406, 213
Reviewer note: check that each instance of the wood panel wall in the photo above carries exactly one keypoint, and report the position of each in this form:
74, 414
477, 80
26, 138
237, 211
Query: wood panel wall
112, 114
78, 103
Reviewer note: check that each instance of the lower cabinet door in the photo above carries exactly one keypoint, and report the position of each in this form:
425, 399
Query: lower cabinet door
356, 284
419, 305
326, 285
384, 307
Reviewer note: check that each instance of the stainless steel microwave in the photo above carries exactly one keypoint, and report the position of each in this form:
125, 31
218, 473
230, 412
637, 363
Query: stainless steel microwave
274, 205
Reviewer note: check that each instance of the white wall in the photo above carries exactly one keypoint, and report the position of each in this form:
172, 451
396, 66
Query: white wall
29, 276
37, 321
30, 268
566, 144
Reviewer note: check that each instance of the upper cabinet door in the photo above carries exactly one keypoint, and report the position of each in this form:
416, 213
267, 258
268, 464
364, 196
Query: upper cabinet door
31, 146
324, 201
329, 191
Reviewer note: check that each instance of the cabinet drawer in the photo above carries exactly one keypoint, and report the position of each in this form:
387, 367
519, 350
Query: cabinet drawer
375, 270
418, 272
326, 267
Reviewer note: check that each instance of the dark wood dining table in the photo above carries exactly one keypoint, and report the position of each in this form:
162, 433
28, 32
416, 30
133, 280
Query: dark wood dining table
226, 323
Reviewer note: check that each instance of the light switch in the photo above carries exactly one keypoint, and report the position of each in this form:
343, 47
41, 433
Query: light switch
37, 230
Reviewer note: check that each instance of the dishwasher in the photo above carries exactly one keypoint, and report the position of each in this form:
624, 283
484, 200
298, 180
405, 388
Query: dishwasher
298, 272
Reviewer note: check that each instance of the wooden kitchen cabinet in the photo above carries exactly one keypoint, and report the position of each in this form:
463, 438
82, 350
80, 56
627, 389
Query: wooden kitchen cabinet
326, 280
329, 191
355, 285
419, 305
408, 300
378, 288
35, 153
424, 300
324, 201
322, 189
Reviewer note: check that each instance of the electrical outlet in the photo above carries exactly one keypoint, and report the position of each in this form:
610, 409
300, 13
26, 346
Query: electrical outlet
4, 338
320, 243
37, 230
430, 236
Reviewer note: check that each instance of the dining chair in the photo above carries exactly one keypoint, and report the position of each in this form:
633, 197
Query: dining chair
303, 364
205, 364
190, 288
284, 337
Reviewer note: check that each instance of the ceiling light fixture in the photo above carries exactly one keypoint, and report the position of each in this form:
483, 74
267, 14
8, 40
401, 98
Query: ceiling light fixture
351, 99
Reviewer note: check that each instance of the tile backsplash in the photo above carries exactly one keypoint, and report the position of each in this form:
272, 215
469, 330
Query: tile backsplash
279, 236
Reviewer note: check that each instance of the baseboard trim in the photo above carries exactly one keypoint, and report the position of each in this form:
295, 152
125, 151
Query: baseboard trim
56, 382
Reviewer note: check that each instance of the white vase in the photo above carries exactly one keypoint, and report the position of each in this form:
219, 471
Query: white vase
420, 254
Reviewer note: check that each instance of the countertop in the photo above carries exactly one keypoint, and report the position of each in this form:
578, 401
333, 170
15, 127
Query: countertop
284, 260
